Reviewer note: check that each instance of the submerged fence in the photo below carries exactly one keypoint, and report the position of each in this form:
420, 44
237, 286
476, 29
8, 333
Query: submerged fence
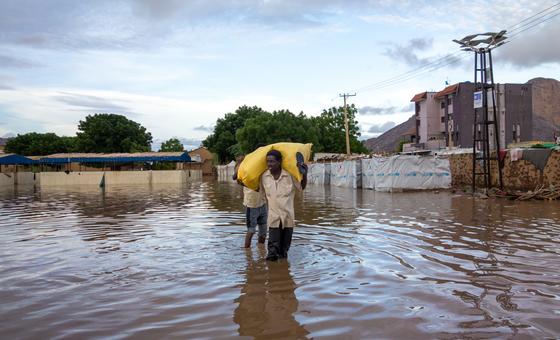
396, 173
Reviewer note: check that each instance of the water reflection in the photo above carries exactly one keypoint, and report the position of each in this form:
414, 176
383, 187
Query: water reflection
267, 303
367, 265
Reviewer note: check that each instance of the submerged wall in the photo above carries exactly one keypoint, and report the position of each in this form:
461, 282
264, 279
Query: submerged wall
517, 175
18, 178
94, 178
6, 179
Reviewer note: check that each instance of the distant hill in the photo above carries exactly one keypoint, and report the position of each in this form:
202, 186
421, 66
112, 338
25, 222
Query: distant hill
543, 129
546, 117
388, 141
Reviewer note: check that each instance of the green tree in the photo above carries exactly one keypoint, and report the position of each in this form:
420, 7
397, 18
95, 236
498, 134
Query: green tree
40, 144
279, 126
332, 137
104, 132
171, 145
222, 141
400, 146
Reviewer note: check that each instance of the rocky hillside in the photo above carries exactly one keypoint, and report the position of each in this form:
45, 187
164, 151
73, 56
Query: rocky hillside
388, 141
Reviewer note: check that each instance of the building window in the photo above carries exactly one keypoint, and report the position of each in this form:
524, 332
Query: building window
443, 105
449, 101
516, 133
443, 119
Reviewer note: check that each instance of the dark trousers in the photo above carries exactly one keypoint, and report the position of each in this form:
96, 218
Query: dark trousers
279, 241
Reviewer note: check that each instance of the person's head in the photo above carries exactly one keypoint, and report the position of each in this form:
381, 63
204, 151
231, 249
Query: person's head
274, 160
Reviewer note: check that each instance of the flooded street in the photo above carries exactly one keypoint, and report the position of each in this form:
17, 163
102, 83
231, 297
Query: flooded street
165, 261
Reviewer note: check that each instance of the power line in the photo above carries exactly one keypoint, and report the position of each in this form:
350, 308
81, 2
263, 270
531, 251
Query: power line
418, 73
536, 24
511, 38
453, 57
511, 28
439, 62
426, 65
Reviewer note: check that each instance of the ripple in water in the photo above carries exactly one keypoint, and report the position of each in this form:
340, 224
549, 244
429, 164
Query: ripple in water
166, 261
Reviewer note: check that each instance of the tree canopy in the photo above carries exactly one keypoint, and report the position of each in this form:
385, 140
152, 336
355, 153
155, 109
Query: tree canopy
222, 141
333, 134
279, 126
172, 144
239, 132
40, 144
251, 127
104, 132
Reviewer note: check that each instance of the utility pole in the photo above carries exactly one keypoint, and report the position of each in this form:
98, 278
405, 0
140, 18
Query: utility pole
485, 91
346, 95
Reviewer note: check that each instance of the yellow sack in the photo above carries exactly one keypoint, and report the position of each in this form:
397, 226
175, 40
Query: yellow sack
254, 164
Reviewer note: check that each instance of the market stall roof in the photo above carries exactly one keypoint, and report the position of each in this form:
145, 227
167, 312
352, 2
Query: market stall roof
13, 159
61, 158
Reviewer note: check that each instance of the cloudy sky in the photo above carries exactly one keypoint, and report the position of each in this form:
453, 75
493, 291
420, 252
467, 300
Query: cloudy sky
175, 66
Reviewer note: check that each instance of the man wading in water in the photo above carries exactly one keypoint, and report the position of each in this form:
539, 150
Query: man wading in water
279, 188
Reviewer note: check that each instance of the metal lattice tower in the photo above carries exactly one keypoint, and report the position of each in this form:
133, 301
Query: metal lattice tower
485, 95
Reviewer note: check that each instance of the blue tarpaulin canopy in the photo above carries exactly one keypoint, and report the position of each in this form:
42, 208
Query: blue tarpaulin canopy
13, 159
117, 158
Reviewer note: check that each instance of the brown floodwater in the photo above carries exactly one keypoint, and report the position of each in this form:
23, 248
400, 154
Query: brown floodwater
154, 262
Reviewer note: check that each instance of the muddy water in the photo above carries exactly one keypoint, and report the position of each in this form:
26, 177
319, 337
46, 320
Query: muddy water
140, 262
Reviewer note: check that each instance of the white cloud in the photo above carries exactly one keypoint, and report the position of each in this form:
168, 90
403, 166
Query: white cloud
176, 66
163, 116
380, 128
534, 48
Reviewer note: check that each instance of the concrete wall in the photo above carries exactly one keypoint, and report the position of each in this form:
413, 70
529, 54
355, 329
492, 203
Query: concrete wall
127, 177
6, 179
72, 178
168, 176
463, 114
434, 120
193, 175
518, 175
429, 118
422, 123
18, 178
116, 178
519, 111
25, 178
